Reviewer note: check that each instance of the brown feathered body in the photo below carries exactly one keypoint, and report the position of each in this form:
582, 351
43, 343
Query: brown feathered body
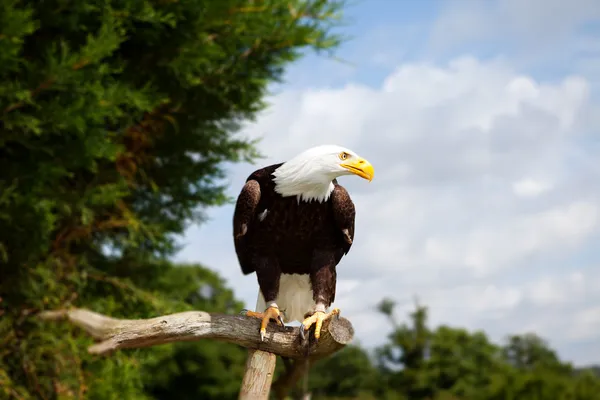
293, 245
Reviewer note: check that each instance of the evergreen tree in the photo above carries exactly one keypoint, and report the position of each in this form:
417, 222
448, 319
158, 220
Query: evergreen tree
116, 118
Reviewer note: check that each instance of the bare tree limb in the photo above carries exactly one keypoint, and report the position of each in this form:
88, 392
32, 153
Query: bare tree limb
298, 368
293, 373
256, 384
115, 334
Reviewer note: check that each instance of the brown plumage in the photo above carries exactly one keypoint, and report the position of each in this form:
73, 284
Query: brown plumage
292, 243
294, 237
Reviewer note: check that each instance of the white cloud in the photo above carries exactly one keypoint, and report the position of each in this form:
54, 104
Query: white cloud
477, 198
551, 291
587, 323
529, 187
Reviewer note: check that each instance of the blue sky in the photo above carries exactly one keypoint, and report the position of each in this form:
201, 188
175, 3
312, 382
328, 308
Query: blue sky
482, 121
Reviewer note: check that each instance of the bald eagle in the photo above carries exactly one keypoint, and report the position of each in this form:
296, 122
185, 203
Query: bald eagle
292, 225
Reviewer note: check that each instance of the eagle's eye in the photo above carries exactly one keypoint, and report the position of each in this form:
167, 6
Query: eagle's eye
344, 155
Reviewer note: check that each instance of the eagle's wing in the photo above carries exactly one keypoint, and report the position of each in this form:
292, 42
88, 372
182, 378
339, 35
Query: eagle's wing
243, 215
344, 213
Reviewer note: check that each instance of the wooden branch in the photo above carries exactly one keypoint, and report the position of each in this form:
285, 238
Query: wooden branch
115, 334
298, 368
293, 373
256, 384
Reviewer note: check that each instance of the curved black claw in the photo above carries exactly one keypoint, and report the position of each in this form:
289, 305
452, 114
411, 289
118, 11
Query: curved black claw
243, 312
280, 318
302, 335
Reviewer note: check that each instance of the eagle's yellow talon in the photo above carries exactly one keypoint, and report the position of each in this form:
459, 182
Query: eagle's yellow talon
269, 314
317, 319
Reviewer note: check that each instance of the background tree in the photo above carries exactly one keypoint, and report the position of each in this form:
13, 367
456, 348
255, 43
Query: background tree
199, 370
348, 374
529, 351
403, 359
116, 118
452, 363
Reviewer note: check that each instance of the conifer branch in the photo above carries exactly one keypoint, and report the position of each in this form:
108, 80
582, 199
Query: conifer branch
43, 86
114, 334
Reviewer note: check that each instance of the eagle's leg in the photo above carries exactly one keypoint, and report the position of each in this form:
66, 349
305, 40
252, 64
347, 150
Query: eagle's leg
271, 313
317, 319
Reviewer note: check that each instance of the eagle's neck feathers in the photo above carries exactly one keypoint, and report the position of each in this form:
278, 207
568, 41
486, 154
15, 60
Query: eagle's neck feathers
297, 178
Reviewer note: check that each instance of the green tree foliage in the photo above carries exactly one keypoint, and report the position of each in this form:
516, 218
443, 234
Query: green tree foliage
116, 118
349, 373
420, 363
203, 370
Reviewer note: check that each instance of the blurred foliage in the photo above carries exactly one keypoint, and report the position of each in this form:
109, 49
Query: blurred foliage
116, 120
420, 363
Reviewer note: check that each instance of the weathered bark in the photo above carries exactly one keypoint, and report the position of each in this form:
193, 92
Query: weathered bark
294, 371
114, 334
258, 376
117, 334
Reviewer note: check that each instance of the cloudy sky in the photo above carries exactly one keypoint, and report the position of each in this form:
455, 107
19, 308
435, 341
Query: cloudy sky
482, 121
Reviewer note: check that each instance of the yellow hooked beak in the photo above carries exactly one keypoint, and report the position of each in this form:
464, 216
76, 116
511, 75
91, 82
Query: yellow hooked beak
360, 167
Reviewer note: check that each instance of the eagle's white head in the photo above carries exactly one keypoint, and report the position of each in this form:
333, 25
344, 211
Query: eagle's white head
309, 175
